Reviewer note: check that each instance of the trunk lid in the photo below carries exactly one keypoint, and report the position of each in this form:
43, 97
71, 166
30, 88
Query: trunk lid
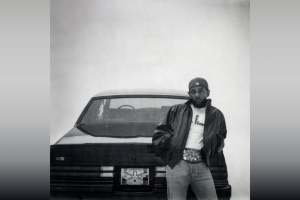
104, 154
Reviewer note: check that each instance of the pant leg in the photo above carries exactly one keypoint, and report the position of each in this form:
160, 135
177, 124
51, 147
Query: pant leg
178, 180
202, 182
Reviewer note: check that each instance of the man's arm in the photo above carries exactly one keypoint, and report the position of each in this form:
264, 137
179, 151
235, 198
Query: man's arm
163, 134
221, 135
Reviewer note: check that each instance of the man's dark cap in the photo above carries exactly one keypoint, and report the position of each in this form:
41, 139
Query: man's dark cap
198, 82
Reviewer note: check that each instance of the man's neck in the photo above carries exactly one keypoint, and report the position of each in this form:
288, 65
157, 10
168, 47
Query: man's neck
202, 105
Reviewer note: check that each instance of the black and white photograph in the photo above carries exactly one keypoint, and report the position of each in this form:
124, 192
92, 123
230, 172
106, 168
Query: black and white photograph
150, 99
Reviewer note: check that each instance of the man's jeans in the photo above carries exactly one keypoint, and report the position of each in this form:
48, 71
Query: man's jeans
195, 174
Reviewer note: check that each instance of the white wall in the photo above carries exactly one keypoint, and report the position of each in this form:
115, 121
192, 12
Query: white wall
99, 45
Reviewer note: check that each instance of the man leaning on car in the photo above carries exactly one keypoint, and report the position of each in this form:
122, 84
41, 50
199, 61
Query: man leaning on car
189, 135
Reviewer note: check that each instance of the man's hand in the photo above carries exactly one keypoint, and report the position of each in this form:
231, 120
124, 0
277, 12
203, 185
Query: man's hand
161, 144
221, 143
220, 148
213, 145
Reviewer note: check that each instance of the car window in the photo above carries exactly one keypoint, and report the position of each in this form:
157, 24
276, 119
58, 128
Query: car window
126, 117
129, 110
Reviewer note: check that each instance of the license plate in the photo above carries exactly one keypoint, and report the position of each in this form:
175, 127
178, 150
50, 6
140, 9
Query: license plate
134, 176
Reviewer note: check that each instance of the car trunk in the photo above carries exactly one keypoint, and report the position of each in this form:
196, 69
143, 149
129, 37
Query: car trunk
79, 167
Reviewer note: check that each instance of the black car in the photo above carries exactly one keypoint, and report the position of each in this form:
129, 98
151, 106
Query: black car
109, 150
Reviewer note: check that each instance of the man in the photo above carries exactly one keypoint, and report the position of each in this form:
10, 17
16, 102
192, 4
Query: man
189, 135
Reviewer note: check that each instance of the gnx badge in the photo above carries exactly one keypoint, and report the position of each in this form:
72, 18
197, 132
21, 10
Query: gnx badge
60, 158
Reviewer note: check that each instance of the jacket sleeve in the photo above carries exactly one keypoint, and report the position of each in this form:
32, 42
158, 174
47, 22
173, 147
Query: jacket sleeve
221, 135
163, 134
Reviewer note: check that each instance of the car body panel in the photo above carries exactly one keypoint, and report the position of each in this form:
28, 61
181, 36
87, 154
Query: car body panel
75, 136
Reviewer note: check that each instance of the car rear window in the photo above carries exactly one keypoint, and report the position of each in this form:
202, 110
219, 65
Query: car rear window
126, 117
129, 110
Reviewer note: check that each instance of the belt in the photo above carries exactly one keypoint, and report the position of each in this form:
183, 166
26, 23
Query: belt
192, 155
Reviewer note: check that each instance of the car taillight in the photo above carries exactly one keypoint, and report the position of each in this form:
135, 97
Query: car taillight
160, 174
160, 171
107, 168
107, 174
107, 171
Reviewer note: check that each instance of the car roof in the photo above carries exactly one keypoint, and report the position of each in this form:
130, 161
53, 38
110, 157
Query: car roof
154, 92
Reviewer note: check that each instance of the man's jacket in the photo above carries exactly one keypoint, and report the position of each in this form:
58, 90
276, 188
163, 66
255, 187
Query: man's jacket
170, 137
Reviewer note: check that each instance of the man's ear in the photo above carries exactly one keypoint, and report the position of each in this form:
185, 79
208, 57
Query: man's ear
189, 95
208, 92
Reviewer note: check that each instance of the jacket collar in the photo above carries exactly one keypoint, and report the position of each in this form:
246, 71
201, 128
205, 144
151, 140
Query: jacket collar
189, 102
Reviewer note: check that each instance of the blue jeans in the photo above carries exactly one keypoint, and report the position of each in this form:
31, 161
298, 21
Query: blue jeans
195, 174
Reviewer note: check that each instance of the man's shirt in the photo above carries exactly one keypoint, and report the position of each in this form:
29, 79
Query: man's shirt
195, 138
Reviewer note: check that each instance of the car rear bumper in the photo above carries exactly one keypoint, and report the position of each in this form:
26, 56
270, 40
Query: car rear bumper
75, 183
224, 193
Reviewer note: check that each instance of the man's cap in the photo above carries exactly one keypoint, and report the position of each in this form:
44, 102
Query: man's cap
198, 82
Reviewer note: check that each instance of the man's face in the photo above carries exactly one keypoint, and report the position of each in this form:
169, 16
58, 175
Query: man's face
198, 94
